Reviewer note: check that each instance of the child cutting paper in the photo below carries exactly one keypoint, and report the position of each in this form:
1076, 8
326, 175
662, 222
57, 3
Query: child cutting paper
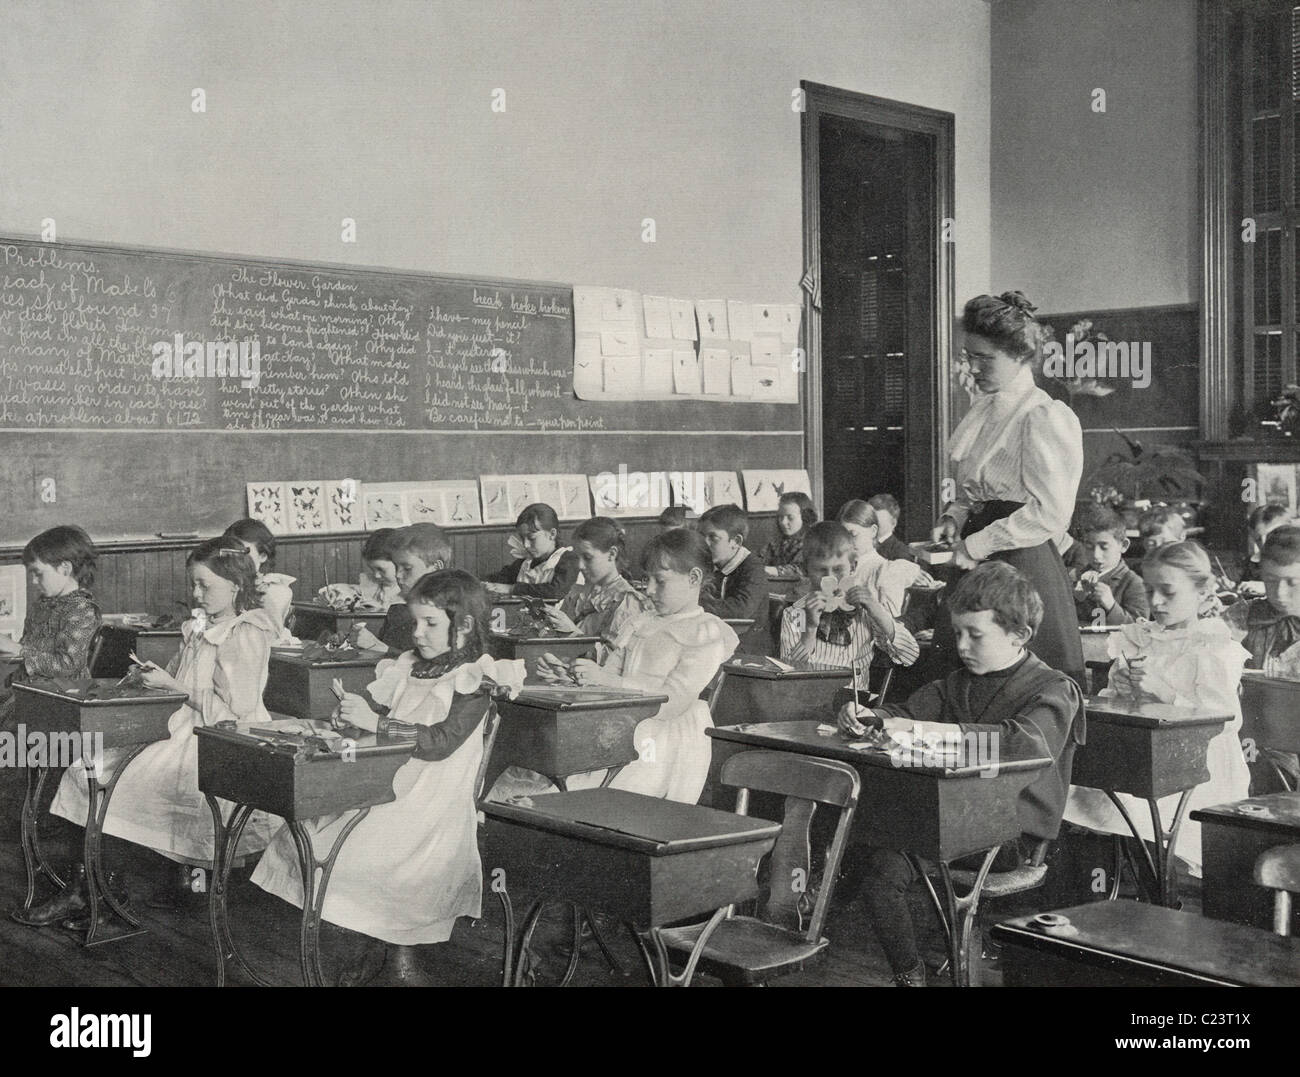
674, 651
841, 621
1002, 692
411, 868
1189, 659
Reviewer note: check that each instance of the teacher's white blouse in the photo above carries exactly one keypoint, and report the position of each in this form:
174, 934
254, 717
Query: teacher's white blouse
1017, 445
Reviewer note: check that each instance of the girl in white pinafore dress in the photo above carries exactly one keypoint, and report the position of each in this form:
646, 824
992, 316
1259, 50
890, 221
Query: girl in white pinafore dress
274, 589
1189, 660
222, 667
411, 867
542, 568
674, 651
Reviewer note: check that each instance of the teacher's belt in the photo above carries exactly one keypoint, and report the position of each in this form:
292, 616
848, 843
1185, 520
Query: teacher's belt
988, 512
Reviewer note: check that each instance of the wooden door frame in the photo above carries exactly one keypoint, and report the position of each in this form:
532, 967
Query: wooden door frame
820, 100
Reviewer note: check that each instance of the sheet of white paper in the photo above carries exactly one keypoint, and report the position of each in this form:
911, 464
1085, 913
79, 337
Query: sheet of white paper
658, 317
740, 319
619, 306
742, 376
657, 376
686, 373
588, 300
767, 383
765, 350
716, 363
623, 375
790, 315
683, 316
619, 342
13, 600
588, 370
712, 315
767, 319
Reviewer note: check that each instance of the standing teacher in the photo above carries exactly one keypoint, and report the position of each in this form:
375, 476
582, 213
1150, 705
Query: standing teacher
1017, 458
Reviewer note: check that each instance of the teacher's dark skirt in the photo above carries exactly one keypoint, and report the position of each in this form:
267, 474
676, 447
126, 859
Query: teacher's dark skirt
1057, 641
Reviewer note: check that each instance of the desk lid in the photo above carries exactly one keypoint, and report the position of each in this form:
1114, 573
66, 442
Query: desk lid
304, 740
1258, 680
1276, 811
364, 608
563, 697
1132, 933
763, 668
554, 637
804, 738
99, 692
320, 658
634, 821
1119, 711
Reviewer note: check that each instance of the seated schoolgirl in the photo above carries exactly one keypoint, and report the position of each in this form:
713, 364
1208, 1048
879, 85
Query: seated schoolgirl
411, 867
543, 568
1185, 655
794, 515
222, 667
275, 589
604, 600
675, 651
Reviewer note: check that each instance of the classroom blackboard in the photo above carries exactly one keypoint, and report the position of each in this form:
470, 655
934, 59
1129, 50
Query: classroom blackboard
122, 407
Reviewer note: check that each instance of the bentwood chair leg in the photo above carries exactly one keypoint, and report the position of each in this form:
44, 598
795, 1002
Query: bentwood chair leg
663, 972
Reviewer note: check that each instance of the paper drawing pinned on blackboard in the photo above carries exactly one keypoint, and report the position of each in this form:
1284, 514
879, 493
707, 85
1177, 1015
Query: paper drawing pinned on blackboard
268, 502
574, 497
424, 506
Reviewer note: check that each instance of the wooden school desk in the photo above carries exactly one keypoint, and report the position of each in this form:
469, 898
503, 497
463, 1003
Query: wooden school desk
1270, 711
287, 776
751, 688
301, 687
532, 647
119, 637
784, 584
1232, 838
929, 813
1150, 751
641, 860
1133, 945
559, 731
108, 717
310, 619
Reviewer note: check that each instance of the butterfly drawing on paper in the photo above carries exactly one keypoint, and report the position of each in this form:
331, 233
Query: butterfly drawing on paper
267, 501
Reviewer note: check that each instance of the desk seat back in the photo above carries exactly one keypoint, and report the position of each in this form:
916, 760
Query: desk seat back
805, 782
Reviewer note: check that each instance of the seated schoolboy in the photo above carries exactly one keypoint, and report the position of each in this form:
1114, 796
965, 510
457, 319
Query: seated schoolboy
416, 551
888, 512
1003, 692
1269, 627
1107, 591
1161, 526
794, 515
846, 621
1263, 520
739, 584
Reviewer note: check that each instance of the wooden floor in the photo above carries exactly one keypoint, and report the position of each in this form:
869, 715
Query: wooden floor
177, 950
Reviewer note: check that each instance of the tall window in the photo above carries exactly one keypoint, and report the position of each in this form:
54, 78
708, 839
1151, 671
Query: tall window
1267, 47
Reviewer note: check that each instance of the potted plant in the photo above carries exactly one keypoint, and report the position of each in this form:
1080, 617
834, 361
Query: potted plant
1160, 475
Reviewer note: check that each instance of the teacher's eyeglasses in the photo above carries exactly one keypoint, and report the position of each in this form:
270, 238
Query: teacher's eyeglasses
974, 359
